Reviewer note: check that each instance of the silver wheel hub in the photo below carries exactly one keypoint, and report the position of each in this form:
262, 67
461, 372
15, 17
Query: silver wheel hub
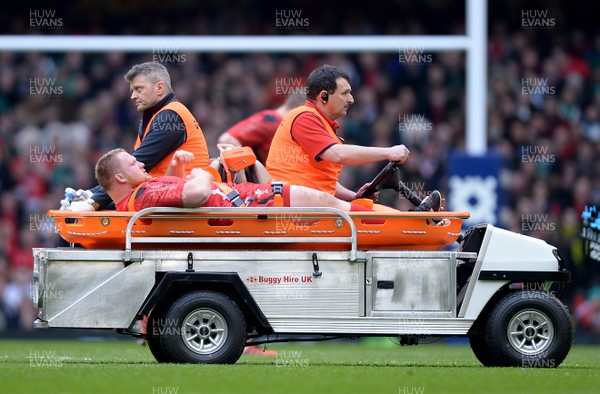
204, 331
530, 332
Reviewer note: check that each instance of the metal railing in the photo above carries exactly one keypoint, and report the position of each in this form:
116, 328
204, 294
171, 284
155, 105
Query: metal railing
223, 211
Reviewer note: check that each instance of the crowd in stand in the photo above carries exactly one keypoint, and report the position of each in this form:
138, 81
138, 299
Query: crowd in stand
60, 112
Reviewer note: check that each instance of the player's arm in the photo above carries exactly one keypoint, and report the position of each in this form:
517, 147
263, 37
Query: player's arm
178, 162
227, 138
197, 188
355, 155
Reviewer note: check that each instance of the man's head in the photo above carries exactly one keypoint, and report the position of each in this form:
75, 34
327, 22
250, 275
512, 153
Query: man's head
118, 168
149, 83
329, 88
292, 101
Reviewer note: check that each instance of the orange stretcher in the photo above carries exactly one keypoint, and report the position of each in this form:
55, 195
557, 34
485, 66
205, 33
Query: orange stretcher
291, 228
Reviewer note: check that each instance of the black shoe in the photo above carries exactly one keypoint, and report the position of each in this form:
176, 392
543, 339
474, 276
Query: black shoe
432, 202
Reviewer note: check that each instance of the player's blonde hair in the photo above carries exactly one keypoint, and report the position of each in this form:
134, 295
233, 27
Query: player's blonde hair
106, 167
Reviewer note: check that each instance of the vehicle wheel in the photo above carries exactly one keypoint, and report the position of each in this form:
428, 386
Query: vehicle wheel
154, 329
480, 350
203, 327
528, 329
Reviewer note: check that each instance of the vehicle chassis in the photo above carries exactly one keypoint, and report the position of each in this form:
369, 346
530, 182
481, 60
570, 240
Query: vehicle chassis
205, 306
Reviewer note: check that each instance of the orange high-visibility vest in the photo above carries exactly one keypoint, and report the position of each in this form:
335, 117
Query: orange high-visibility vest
194, 143
288, 161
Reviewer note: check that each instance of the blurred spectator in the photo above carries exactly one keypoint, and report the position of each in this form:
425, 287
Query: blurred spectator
587, 309
257, 130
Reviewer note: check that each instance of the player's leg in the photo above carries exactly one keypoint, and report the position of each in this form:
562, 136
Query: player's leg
301, 196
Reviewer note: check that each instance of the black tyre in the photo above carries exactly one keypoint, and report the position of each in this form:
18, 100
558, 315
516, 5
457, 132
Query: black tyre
154, 330
203, 327
527, 329
480, 349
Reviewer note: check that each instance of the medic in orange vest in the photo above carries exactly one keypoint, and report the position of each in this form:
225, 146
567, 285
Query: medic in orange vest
306, 149
166, 126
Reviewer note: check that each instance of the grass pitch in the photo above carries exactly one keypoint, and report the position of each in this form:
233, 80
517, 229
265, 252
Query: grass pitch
363, 367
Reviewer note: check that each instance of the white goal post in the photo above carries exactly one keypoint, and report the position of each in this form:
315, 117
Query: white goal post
474, 43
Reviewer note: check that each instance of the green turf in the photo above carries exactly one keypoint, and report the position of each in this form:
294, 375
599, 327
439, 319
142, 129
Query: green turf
371, 367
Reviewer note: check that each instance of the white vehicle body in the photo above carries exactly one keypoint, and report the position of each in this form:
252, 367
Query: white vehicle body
496, 278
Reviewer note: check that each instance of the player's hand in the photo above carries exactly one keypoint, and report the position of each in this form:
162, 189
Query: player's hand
182, 157
398, 153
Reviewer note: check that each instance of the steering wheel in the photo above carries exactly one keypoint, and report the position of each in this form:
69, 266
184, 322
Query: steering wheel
379, 182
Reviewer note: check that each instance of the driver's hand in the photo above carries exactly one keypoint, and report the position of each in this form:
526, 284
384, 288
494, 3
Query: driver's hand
374, 196
398, 153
